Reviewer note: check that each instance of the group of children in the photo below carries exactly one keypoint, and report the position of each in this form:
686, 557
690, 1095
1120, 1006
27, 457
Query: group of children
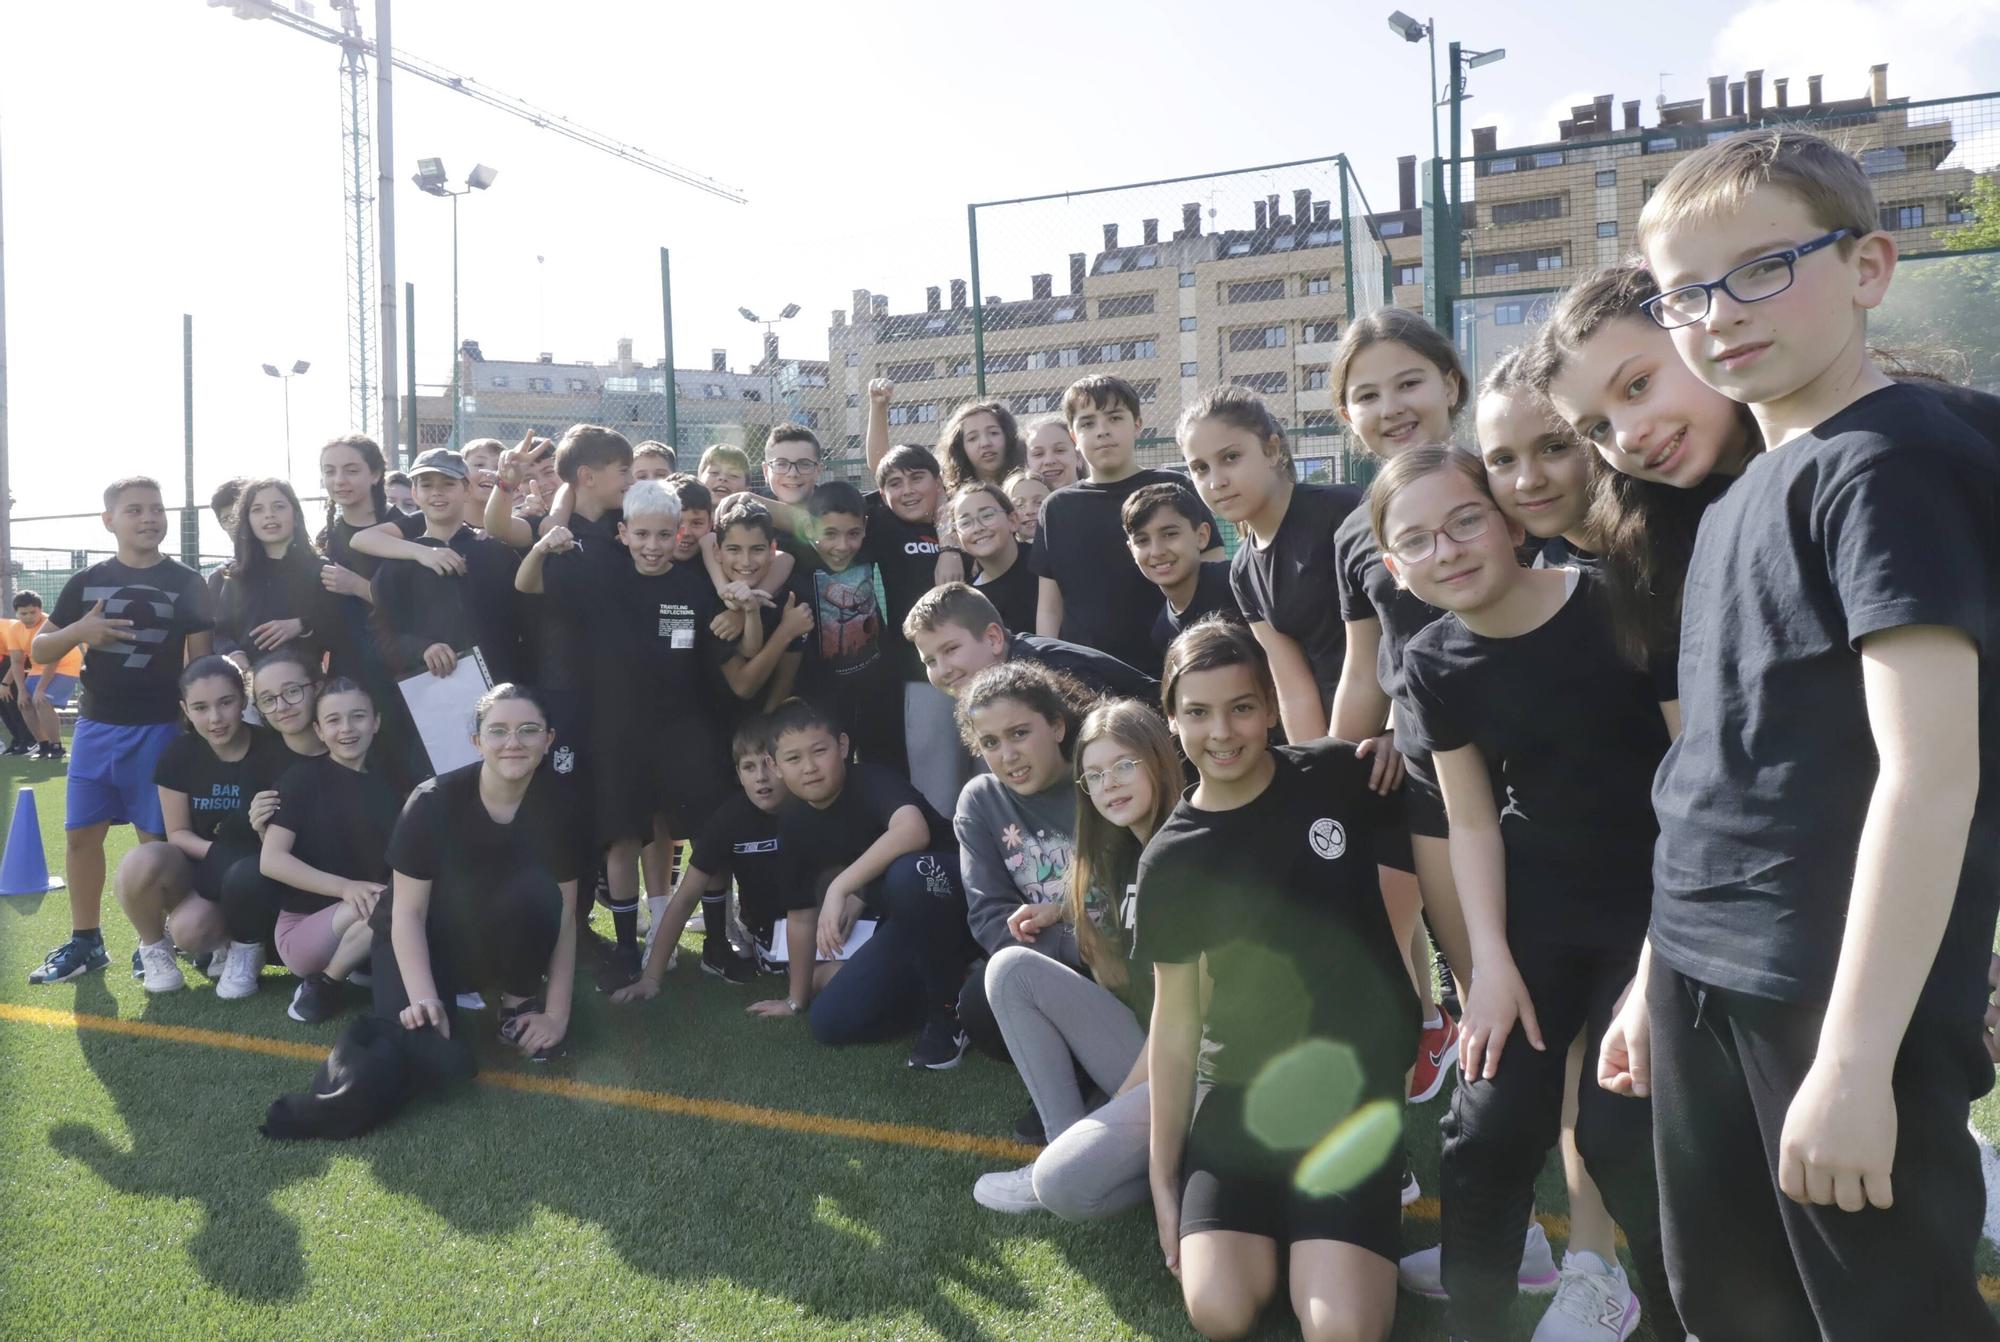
1660, 710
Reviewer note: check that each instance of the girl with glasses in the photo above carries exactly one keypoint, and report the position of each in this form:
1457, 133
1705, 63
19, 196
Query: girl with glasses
986, 523
1087, 1010
1277, 1096
484, 887
1545, 741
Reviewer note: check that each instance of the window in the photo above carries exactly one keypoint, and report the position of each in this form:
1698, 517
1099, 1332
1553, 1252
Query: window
1256, 291
500, 381
1408, 274
1284, 243
1035, 402
612, 384
1662, 144
1319, 333
1149, 391
1268, 383
1646, 190
1190, 370
577, 386
1549, 158
1257, 337
752, 394
1323, 237
918, 370
1902, 216
1066, 313
1607, 228
812, 419
1187, 323
1389, 228
1147, 260
853, 358
1523, 211
1503, 165
1110, 265
1110, 353
1509, 314
1007, 363
1187, 279
1515, 263
1239, 248
938, 323
1318, 284
1125, 305
920, 412
540, 384
1315, 377
1958, 212
853, 400
1715, 135
711, 391
1607, 177
1320, 421
1875, 162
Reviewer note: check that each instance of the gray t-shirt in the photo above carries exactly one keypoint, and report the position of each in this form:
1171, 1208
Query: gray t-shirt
1016, 850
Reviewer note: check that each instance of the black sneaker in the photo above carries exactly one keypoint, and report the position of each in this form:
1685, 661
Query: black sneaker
719, 958
20, 747
36, 753
72, 959
56, 752
940, 1044
318, 998
1028, 1129
510, 1014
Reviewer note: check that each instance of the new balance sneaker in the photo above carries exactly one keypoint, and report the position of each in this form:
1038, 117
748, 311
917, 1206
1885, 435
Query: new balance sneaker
940, 1044
239, 976
1421, 1273
1593, 1303
1437, 1054
74, 958
719, 958
158, 969
1011, 1191
318, 998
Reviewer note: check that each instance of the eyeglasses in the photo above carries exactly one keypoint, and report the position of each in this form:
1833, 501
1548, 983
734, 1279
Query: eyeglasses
782, 466
1094, 781
985, 517
284, 694
498, 734
1415, 547
1752, 282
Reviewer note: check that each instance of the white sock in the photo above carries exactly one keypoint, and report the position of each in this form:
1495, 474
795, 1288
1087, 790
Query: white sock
1435, 1022
656, 909
253, 947
152, 945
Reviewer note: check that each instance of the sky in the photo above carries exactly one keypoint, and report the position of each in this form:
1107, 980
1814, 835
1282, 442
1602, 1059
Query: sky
161, 157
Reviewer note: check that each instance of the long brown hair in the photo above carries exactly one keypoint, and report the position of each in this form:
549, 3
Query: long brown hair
1398, 326
958, 468
1107, 855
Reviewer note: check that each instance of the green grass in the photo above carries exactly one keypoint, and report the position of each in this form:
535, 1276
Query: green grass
140, 1199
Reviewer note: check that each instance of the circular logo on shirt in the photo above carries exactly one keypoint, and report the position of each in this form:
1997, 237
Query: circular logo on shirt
1329, 840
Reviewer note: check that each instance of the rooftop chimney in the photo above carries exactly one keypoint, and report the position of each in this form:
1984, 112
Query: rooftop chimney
1111, 237
546, 357
839, 318
1406, 182
1718, 95
1302, 206
1271, 209
861, 304
1878, 85
1191, 219
718, 361
1631, 114
1322, 211
625, 355
1812, 90
1754, 79
1261, 216
1041, 286
1780, 85
1149, 230
1736, 98
881, 305
1601, 113
1077, 262
1485, 139
770, 349
931, 299
957, 294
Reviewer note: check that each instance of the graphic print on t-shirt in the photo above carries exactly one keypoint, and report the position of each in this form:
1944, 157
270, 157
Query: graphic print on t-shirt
849, 619
1328, 838
149, 608
1038, 862
677, 626
221, 797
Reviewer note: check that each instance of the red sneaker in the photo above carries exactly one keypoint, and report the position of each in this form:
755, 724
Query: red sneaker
1437, 1054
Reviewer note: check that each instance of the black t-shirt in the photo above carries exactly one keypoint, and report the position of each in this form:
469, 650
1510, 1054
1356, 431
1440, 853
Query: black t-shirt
340, 540
1108, 603
1014, 593
1281, 895
1097, 671
340, 819
1367, 592
1886, 515
906, 555
1979, 409
219, 790
651, 633
561, 638
446, 828
741, 841
136, 682
1214, 592
1572, 734
415, 608
287, 588
1557, 552
1291, 583
812, 841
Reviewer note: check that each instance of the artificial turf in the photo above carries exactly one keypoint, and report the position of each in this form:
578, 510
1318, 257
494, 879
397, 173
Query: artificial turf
140, 1200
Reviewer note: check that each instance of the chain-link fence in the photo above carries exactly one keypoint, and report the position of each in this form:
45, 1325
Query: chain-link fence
1537, 218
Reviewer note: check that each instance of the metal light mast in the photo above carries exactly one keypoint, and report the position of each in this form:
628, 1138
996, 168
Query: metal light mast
357, 167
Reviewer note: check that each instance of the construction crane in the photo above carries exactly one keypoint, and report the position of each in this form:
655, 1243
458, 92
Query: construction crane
364, 341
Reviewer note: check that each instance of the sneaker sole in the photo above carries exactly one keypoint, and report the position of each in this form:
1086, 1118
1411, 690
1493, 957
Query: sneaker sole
716, 971
1007, 1209
956, 1058
170, 988
1526, 1286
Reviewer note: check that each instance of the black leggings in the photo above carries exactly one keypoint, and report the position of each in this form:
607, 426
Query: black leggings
1498, 1134
480, 936
250, 904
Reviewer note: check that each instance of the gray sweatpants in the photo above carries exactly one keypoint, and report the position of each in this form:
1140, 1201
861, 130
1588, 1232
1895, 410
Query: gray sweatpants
1095, 1164
939, 763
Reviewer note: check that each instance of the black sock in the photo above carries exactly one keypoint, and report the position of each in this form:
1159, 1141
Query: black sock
95, 934
715, 918
625, 922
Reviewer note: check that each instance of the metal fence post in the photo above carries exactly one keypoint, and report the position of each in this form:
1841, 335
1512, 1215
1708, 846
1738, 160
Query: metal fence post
667, 322
410, 369
978, 304
1346, 240
190, 519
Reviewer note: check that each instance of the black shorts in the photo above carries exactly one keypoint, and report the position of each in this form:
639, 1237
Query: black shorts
670, 772
1229, 1181
215, 864
1423, 801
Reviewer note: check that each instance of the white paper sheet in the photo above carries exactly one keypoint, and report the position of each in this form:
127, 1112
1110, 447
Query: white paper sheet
857, 937
442, 708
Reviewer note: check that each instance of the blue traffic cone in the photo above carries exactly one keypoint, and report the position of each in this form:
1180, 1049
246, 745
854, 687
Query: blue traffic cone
24, 868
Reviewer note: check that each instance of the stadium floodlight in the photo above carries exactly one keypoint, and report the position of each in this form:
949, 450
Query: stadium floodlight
791, 311
1407, 28
481, 177
1475, 59
748, 315
299, 366
432, 177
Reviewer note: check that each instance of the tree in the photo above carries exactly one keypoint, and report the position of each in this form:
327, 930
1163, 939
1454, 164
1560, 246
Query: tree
1942, 315
1983, 232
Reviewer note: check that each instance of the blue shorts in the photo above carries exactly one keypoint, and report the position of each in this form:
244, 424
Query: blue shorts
60, 689
111, 774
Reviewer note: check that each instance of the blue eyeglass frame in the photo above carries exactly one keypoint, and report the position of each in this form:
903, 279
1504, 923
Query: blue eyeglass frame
1790, 256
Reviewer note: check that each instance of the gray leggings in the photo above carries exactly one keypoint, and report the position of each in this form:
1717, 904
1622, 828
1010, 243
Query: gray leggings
938, 762
1095, 1164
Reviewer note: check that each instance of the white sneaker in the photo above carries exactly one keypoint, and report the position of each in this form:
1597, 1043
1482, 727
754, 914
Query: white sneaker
1012, 1191
158, 970
1593, 1303
1422, 1273
239, 976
